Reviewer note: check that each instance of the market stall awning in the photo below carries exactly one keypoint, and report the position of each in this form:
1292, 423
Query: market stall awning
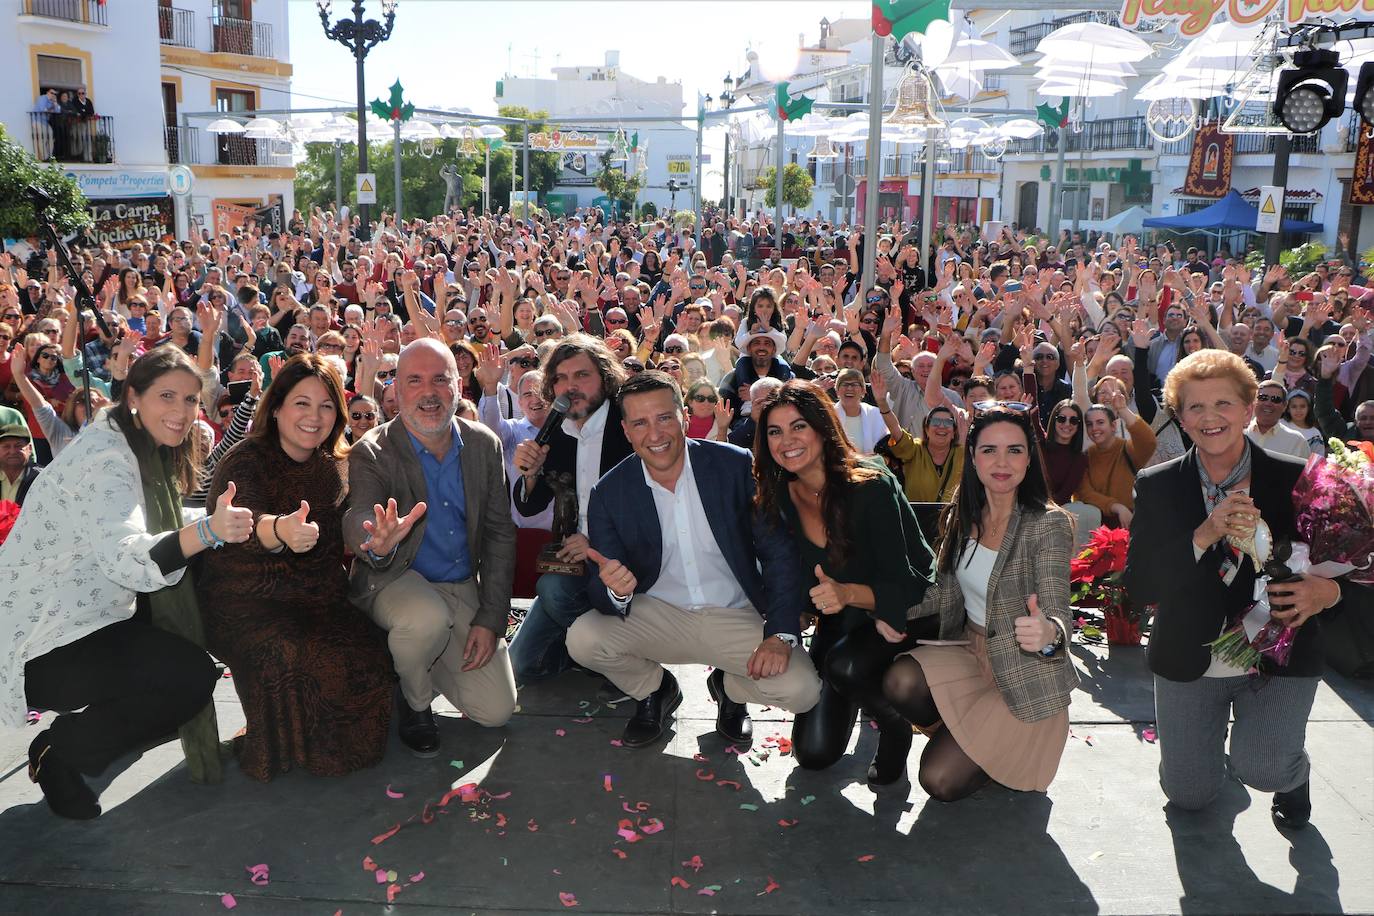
1230, 214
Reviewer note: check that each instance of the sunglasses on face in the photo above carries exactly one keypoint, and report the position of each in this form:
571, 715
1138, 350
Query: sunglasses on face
386, 373
674, 349
546, 332
47, 355
359, 417
1016, 406
617, 322
874, 300
1297, 351
14, 316
942, 423
1045, 357
454, 322
1067, 419
1271, 398
704, 399
525, 362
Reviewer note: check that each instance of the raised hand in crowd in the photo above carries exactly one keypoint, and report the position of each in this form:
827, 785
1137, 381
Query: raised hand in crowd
389, 528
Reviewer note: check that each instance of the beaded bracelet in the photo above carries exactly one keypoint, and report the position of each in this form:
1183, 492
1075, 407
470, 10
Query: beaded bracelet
207, 535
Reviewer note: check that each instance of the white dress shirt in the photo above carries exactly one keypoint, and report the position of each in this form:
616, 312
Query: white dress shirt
1281, 439
588, 457
512, 433
692, 572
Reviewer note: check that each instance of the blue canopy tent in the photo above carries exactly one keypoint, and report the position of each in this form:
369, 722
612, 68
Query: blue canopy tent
1227, 216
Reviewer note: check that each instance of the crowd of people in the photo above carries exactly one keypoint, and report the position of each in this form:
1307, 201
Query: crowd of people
331, 462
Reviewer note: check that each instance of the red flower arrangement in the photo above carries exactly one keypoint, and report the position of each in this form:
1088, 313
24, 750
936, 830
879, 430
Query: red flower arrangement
1096, 576
9, 514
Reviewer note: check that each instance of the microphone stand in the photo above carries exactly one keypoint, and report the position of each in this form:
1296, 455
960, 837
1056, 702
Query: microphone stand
41, 204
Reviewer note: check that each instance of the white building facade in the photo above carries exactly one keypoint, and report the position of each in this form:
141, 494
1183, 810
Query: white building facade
611, 97
143, 66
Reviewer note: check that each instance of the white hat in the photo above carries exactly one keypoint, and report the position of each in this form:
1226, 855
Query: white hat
779, 341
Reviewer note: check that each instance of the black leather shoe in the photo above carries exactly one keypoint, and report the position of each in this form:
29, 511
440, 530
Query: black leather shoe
732, 719
63, 786
417, 729
646, 725
1293, 809
889, 763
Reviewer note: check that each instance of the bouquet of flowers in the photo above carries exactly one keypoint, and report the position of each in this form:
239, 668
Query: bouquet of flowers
1095, 574
1333, 504
9, 514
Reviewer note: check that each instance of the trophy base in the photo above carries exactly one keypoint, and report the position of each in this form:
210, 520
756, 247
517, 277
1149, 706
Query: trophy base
548, 562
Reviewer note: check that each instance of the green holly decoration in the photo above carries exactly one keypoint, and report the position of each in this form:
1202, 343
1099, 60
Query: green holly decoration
396, 109
791, 109
900, 18
634, 142
1052, 117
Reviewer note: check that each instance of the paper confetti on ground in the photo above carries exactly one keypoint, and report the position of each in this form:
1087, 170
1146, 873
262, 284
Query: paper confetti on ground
729, 782
383, 837
679, 882
1149, 734
785, 822
771, 886
694, 863
808, 799
746, 806
709, 890
651, 826
567, 899
867, 858
457, 764
559, 732
257, 874
228, 901
392, 793
417, 877
368, 864
607, 782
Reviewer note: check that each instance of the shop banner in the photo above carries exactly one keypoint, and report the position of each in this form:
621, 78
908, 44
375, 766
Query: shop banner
1362, 179
121, 223
230, 216
1209, 165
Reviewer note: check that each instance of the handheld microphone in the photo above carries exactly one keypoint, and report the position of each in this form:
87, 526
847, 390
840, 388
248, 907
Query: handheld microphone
557, 411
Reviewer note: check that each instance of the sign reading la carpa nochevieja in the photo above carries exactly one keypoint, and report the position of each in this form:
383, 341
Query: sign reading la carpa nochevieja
123, 222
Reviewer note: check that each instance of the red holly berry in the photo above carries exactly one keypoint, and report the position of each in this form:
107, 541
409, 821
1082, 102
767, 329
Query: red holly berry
881, 24
782, 113
395, 114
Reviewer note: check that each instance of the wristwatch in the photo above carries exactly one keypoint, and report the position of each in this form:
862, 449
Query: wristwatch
1053, 648
787, 638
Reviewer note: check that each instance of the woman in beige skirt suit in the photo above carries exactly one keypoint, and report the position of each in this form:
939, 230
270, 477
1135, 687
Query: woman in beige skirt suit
995, 702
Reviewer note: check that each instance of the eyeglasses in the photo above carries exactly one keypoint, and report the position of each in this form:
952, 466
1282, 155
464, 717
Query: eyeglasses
1015, 406
670, 367
546, 332
359, 417
634, 368
1297, 351
1045, 357
874, 300
1271, 398
942, 423
1067, 419
386, 373
47, 355
454, 322
329, 348
14, 316
704, 399
225, 412
674, 349
617, 322
525, 362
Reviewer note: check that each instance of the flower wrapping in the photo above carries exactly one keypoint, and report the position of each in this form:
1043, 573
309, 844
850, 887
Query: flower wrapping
1257, 636
1333, 504
9, 514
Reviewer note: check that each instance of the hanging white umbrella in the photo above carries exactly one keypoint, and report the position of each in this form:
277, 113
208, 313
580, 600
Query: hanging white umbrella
1020, 129
960, 86
224, 126
419, 130
1051, 66
1081, 89
264, 129
1093, 41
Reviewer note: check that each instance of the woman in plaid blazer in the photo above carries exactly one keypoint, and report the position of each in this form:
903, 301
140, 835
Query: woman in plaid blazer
993, 696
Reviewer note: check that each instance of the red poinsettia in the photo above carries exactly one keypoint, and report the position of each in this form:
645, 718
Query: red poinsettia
9, 513
1103, 555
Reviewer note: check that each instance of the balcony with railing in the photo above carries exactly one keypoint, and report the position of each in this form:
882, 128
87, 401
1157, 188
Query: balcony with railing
176, 27
1248, 144
235, 150
240, 36
88, 12
1025, 39
950, 162
182, 144
68, 138
1103, 135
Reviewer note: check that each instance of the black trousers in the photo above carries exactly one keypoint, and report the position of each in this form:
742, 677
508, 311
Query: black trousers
851, 666
136, 683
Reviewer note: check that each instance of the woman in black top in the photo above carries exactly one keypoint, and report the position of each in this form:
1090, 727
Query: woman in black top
1180, 561
865, 559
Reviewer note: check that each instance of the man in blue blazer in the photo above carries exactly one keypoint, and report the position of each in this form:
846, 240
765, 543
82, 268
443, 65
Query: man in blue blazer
688, 572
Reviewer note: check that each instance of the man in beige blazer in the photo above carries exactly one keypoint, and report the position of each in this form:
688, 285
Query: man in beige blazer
429, 522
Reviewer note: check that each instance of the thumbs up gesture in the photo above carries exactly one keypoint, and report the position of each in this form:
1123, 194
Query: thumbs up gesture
1034, 631
829, 596
229, 522
296, 530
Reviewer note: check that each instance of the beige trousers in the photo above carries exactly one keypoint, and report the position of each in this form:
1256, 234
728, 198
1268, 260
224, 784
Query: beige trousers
632, 651
426, 627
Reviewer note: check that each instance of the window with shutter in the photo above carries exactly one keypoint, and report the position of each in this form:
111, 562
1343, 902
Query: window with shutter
59, 72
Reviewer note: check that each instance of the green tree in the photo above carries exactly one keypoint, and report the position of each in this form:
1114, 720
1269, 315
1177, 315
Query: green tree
619, 187
421, 187
544, 167
18, 172
796, 186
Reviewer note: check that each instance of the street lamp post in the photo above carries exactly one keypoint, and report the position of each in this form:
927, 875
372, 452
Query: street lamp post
359, 36
727, 100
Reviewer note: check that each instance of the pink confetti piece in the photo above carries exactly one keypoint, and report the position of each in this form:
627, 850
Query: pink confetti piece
626, 831
383, 837
769, 888
679, 882
558, 872
729, 782
502, 797
380, 876
417, 877
391, 892
531, 826
708, 891
620, 853
427, 815
616, 742
559, 732
705, 775
228, 901
638, 808
583, 720
368, 864
784, 745
701, 758
606, 782
567, 899
651, 826
1149, 734
784, 822
867, 858
392, 793
694, 863
257, 874
1088, 740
